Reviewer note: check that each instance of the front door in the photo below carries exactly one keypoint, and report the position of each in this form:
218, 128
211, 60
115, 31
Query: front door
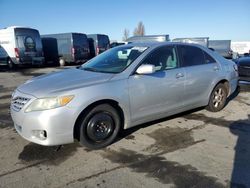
153, 95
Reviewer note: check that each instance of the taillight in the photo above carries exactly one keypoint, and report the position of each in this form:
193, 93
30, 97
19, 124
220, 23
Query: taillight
97, 50
73, 50
16, 52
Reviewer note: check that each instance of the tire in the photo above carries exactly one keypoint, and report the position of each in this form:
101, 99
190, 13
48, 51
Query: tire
11, 65
218, 98
62, 62
99, 126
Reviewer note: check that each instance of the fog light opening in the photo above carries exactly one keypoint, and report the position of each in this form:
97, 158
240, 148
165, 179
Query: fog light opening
40, 134
43, 134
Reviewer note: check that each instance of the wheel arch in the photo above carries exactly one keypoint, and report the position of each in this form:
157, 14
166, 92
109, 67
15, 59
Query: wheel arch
221, 81
226, 83
111, 102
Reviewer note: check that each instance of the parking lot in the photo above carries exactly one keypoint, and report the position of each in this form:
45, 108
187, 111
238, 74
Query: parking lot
193, 149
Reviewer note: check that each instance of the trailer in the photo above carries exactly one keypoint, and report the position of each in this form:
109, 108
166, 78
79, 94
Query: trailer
223, 47
241, 48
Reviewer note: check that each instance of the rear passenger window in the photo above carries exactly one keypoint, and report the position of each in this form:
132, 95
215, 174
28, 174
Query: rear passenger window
208, 58
191, 56
163, 58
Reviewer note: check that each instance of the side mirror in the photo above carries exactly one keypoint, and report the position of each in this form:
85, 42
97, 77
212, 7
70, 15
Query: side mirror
146, 69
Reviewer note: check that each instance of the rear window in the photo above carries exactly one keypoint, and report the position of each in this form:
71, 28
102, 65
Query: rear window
103, 41
28, 39
80, 40
191, 56
208, 58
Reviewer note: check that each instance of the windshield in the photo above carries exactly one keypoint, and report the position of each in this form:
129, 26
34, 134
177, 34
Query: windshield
114, 60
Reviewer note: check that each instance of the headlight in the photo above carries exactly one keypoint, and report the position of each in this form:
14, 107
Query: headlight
49, 103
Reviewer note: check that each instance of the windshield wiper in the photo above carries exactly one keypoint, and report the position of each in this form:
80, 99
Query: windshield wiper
90, 69
96, 70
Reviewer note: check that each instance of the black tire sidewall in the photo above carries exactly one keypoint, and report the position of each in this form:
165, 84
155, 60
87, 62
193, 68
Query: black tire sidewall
106, 108
211, 106
11, 65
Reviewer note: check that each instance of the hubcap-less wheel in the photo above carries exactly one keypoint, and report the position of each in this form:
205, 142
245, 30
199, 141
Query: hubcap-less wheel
218, 97
100, 127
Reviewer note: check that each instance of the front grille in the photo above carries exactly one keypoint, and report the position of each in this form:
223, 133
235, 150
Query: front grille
17, 103
244, 71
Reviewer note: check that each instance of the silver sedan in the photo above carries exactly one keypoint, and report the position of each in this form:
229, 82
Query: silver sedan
121, 88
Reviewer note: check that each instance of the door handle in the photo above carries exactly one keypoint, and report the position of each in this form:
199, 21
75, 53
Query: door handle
179, 75
216, 68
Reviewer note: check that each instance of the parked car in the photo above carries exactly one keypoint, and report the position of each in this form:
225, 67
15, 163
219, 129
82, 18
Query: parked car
121, 88
149, 38
98, 43
50, 51
223, 47
72, 47
195, 40
19, 46
244, 68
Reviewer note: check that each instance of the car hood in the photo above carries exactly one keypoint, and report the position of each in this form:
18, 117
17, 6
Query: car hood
55, 82
245, 61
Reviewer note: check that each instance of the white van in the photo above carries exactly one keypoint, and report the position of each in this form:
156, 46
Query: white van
20, 45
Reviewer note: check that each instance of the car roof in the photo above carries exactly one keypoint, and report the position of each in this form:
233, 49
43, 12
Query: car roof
156, 44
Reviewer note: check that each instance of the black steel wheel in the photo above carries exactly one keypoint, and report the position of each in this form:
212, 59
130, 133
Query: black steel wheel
100, 126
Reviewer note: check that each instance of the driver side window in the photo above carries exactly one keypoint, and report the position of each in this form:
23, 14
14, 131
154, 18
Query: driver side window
162, 58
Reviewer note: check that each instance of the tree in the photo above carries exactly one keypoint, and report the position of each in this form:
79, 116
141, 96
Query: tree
139, 30
125, 34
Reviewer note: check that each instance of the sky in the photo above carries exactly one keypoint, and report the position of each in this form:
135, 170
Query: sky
216, 19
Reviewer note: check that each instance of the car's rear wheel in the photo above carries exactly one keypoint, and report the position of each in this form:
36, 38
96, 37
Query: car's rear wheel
11, 65
100, 126
218, 98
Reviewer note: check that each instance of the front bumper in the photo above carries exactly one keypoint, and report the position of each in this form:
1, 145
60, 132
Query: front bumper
28, 61
233, 85
245, 78
58, 124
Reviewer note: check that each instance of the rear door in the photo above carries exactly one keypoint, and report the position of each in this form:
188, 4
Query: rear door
157, 94
103, 43
201, 71
28, 43
80, 47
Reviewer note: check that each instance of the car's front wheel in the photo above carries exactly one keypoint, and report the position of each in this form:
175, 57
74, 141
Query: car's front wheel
218, 98
100, 126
